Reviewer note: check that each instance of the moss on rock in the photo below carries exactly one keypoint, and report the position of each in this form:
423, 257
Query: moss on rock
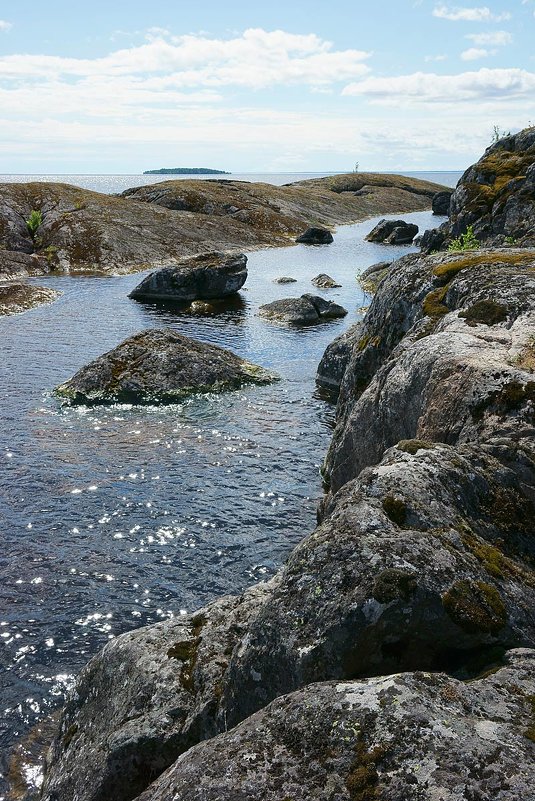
475, 606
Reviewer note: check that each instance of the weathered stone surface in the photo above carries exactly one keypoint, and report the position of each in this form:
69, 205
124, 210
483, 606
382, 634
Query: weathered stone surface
145, 699
334, 361
393, 232
496, 196
15, 265
306, 310
16, 297
315, 236
159, 366
371, 277
284, 279
324, 281
441, 202
420, 736
422, 370
204, 277
156, 225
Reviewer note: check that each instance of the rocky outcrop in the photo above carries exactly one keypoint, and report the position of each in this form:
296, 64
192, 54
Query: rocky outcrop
419, 736
440, 358
315, 236
211, 275
306, 310
496, 196
441, 203
15, 265
345, 676
161, 224
16, 297
324, 281
393, 232
159, 366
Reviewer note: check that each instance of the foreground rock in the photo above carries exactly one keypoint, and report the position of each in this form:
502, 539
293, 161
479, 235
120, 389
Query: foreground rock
496, 196
324, 281
211, 275
315, 236
419, 736
159, 366
306, 310
16, 297
393, 232
161, 224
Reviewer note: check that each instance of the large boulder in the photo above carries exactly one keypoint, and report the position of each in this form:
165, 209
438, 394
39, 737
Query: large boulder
497, 194
393, 232
315, 236
306, 310
204, 277
412, 736
441, 202
159, 366
335, 359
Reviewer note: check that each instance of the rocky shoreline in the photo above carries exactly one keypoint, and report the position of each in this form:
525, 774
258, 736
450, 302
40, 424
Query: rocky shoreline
163, 225
392, 656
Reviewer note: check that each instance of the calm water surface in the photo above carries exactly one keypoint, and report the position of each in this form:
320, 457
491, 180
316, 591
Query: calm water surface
118, 183
118, 517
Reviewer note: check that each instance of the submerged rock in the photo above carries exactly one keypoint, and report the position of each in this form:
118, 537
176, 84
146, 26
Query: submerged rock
315, 236
284, 279
397, 737
393, 232
324, 281
159, 366
16, 297
204, 277
306, 310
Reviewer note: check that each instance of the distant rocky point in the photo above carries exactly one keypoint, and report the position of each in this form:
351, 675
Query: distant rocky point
185, 171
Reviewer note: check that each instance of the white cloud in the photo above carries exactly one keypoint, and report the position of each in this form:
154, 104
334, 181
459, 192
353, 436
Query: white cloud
474, 53
486, 84
5, 26
256, 59
497, 38
480, 14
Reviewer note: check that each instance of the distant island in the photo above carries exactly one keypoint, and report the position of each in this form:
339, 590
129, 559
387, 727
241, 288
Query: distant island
185, 171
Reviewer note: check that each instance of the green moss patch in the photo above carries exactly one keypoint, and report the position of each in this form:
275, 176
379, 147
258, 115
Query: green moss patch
475, 606
486, 312
530, 731
412, 446
394, 584
433, 305
363, 779
395, 509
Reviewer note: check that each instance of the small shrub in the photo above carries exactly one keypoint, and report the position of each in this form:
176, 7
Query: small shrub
34, 221
466, 241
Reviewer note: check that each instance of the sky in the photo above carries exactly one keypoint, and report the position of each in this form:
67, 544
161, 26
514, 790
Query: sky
109, 86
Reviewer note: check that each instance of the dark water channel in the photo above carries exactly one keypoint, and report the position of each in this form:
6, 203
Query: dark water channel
117, 517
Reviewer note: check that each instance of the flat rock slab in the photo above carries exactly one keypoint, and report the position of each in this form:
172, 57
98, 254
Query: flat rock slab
159, 366
315, 236
17, 297
204, 277
393, 232
324, 281
306, 310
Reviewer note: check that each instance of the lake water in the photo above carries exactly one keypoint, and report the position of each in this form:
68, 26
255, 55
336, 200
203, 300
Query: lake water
118, 183
112, 518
